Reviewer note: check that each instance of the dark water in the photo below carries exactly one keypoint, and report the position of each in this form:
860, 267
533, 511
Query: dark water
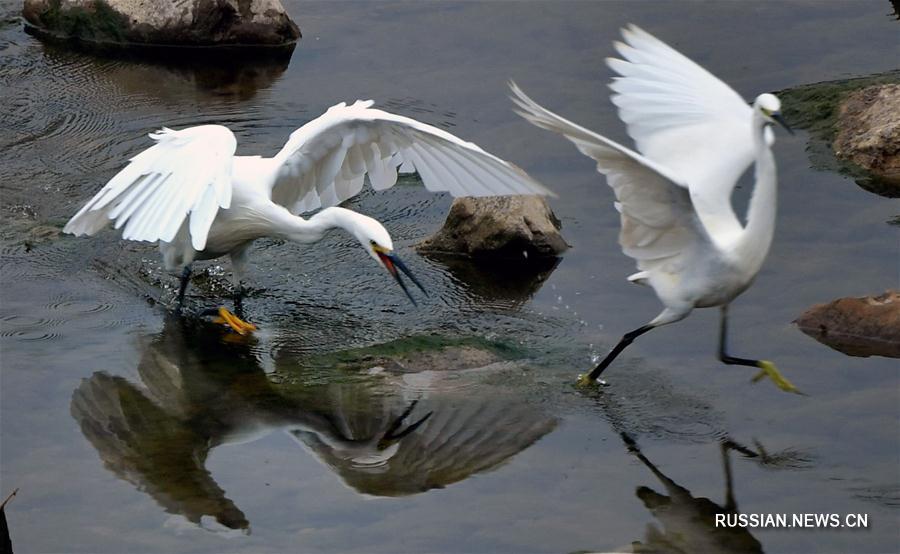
126, 431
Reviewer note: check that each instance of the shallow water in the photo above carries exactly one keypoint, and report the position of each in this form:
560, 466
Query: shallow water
127, 431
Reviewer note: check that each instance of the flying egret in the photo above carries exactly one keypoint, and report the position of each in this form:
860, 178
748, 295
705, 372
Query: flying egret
200, 201
696, 137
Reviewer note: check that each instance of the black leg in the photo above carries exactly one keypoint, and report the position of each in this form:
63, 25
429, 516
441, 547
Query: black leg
185, 279
626, 340
239, 300
730, 503
636, 450
723, 344
767, 368
394, 433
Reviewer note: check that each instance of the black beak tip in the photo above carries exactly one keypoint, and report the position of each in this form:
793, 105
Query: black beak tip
780, 119
396, 275
402, 267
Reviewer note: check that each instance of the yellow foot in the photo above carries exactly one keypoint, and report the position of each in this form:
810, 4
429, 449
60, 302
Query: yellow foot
237, 324
585, 381
768, 369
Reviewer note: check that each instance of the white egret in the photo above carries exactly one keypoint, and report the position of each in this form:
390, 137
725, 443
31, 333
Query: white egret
200, 201
696, 137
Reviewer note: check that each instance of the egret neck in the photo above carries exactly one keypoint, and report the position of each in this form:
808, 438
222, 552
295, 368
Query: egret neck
285, 225
753, 245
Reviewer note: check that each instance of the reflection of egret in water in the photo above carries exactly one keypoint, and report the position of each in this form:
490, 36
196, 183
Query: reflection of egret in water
153, 450
462, 436
689, 523
652, 407
383, 434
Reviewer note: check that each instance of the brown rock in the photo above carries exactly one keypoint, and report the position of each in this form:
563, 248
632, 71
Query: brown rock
868, 132
508, 227
867, 326
164, 22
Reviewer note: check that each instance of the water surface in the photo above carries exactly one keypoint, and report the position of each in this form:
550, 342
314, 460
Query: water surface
128, 431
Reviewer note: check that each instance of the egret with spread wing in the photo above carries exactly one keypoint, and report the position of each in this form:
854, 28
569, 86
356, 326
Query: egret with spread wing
696, 137
196, 198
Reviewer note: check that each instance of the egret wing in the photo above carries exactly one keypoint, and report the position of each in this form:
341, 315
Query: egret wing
657, 215
325, 162
684, 118
187, 173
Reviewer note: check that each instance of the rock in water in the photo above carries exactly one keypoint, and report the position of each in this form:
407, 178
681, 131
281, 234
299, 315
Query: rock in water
868, 132
164, 22
817, 108
867, 326
499, 227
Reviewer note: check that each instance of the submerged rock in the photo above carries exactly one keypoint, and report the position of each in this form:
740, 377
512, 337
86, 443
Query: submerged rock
868, 133
163, 22
395, 434
40, 234
499, 227
432, 353
867, 326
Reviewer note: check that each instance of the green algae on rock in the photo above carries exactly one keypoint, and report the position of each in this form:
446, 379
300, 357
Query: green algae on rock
422, 353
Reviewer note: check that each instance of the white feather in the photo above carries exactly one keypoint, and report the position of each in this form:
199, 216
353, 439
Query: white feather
186, 172
696, 136
684, 118
191, 193
445, 162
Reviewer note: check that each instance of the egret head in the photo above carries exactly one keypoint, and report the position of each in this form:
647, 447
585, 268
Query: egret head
377, 242
769, 108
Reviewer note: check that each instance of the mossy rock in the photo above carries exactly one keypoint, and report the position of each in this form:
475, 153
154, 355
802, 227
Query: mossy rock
99, 23
499, 229
816, 107
420, 353
135, 24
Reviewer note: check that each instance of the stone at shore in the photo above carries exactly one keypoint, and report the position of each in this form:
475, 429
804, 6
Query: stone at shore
164, 22
867, 326
868, 132
853, 127
499, 228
